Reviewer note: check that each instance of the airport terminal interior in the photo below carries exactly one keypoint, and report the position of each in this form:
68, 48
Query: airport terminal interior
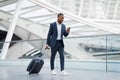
92, 48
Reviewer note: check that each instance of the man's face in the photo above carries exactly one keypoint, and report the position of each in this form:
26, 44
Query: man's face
60, 19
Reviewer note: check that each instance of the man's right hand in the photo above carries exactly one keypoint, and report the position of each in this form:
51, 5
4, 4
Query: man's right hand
47, 47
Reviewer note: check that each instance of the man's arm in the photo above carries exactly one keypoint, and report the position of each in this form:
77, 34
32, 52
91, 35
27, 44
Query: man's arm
66, 32
49, 35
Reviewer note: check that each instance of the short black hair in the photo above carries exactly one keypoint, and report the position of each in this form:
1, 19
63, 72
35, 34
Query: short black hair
60, 14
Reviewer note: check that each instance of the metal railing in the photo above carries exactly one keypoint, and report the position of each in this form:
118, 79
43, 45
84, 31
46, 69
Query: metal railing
98, 51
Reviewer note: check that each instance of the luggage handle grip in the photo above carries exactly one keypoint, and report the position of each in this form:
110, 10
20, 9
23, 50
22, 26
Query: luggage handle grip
47, 48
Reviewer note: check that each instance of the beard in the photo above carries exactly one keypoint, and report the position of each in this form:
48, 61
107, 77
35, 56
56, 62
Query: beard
60, 22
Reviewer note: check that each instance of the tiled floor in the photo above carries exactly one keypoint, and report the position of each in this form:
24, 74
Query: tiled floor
19, 73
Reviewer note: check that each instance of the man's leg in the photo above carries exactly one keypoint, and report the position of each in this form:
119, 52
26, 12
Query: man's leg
61, 53
53, 53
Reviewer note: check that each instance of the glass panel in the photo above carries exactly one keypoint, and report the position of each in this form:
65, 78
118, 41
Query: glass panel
85, 53
113, 53
24, 49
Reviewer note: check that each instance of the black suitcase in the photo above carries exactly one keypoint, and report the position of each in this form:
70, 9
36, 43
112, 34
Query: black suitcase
36, 65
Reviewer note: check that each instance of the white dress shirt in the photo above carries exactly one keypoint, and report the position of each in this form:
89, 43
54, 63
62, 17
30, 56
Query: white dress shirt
59, 31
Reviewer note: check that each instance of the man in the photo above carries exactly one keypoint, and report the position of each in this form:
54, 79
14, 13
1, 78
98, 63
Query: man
55, 40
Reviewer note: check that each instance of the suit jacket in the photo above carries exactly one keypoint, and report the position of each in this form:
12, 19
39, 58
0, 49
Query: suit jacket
53, 33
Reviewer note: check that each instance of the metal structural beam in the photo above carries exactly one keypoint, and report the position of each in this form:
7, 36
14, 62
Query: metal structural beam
4, 3
42, 16
26, 24
116, 9
45, 19
30, 9
24, 8
89, 10
107, 11
11, 30
76, 18
80, 8
105, 21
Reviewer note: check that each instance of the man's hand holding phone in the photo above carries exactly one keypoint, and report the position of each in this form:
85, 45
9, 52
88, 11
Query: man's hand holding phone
68, 30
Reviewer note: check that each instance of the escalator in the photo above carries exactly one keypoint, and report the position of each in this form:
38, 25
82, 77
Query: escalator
31, 54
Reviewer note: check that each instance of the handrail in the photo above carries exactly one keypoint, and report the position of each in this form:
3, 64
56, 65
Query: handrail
64, 38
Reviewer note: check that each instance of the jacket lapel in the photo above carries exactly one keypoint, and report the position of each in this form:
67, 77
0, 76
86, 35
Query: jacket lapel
62, 29
56, 28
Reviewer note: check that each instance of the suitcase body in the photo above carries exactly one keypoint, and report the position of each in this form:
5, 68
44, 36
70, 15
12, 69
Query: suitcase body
35, 66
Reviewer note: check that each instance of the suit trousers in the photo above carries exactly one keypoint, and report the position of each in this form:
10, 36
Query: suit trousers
60, 48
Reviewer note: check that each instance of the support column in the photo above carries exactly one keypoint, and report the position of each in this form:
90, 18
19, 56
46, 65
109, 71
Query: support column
11, 29
80, 8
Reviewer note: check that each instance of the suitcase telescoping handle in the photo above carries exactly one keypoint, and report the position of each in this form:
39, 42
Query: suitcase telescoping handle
45, 52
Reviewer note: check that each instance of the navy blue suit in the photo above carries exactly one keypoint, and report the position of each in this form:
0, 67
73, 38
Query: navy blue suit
56, 45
